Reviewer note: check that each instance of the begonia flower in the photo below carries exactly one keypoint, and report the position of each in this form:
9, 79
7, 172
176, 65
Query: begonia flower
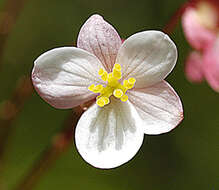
194, 67
127, 81
200, 66
211, 65
199, 23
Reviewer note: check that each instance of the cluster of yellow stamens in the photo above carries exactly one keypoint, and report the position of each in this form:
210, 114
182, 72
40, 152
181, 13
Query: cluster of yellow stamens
113, 86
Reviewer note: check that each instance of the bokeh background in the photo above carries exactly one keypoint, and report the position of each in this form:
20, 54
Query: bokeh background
186, 158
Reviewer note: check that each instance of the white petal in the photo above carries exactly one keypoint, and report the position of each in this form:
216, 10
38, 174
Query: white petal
61, 76
159, 107
148, 56
110, 136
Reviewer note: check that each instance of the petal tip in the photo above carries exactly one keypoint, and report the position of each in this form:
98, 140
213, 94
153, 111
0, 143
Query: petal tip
95, 16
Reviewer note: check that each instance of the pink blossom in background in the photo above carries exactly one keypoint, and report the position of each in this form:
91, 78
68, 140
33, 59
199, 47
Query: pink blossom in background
200, 23
211, 65
127, 81
193, 67
198, 36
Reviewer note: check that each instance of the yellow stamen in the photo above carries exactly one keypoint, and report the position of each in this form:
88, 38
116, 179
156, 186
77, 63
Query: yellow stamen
129, 83
117, 74
110, 76
124, 98
118, 93
117, 71
113, 86
106, 100
101, 72
91, 87
131, 80
100, 102
98, 88
104, 76
117, 67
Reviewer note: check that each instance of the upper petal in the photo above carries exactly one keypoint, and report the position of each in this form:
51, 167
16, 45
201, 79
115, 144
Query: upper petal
148, 56
61, 76
193, 67
101, 39
159, 107
109, 137
211, 65
197, 35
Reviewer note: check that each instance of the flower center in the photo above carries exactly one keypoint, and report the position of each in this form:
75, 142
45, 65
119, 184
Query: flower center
113, 86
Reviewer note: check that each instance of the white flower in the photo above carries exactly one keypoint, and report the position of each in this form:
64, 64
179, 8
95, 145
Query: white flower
133, 98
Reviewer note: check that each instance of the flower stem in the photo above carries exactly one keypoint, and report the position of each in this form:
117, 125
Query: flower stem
60, 143
173, 21
10, 109
10, 14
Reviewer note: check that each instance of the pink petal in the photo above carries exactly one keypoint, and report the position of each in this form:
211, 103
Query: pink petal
61, 76
101, 39
197, 35
211, 66
159, 107
193, 67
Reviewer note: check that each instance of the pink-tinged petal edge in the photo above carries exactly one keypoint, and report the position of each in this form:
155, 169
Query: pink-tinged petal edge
101, 39
193, 67
197, 35
61, 76
211, 65
159, 107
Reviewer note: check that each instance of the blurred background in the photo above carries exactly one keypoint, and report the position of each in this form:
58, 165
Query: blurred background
186, 158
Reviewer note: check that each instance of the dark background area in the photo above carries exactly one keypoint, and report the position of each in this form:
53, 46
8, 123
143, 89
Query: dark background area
186, 158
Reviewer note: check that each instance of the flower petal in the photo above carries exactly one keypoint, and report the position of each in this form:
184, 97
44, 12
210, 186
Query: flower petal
197, 35
61, 76
159, 107
148, 56
211, 66
101, 39
109, 137
193, 67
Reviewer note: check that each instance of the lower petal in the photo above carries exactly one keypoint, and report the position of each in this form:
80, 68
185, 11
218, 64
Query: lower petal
159, 107
109, 137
